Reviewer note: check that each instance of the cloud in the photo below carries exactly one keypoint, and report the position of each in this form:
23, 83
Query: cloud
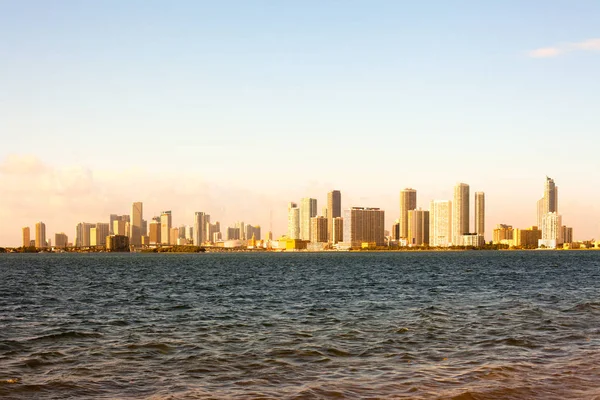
563, 48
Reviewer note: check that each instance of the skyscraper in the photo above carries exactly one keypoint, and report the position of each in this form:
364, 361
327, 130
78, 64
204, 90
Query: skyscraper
362, 224
408, 201
165, 227
480, 213
26, 236
40, 235
155, 232
308, 209
200, 235
60, 240
549, 201
440, 223
135, 226
552, 232
460, 213
293, 221
334, 210
82, 234
418, 227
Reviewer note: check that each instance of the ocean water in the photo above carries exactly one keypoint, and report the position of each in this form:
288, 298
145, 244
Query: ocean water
423, 325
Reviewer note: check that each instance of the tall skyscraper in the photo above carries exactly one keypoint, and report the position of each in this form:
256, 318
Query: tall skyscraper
334, 210
26, 236
165, 227
200, 235
480, 213
549, 201
408, 201
98, 238
418, 227
40, 235
460, 213
362, 224
308, 209
440, 223
293, 221
135, 226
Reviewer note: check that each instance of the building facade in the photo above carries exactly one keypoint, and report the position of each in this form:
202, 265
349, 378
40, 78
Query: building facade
460, 213
408, 201
480, 213
308, 209
293, 221
364, 225
26, 237
440, 223
334, 210
318, 227
418, 227
165, 227
135, 225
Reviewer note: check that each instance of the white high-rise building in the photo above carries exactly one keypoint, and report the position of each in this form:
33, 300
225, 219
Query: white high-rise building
549, 201
460, 213
552, 231
165, 227
440, 223
293, 221
308, 209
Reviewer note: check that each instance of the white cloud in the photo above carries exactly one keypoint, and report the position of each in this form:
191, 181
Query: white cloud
563, 48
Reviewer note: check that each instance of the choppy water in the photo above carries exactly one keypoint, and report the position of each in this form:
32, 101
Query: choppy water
472, 325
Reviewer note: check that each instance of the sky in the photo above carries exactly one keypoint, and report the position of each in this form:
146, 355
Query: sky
236, 108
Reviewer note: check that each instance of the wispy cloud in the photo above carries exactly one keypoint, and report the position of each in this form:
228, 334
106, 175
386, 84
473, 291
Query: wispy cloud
562, 48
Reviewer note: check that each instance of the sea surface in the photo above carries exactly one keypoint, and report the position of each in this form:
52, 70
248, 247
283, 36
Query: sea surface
415, 325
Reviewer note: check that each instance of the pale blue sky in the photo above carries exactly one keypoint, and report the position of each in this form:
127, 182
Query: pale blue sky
422, 94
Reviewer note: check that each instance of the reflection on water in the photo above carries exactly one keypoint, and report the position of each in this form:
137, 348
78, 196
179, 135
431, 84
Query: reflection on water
472, 325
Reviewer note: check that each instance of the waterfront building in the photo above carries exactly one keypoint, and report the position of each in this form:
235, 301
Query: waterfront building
460, 213
117, 243
111, 221
60, 240
549, 201
173, 236
253, 231
396, 230
101, 231
408, 201
472, 240
26, 236
334, 210
165, 226
233, 233
318, 227
526, 238
135, 225
189, 233
308, 209
567, 234
155, 232
40, 235
82, 234
364, 225
440, 223
503, 234
552, 232
418, 227
338, 230
293, 221
480, 213
200, 234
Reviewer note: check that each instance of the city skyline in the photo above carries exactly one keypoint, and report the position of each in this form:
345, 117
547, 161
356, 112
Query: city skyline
234, 111
437, 226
